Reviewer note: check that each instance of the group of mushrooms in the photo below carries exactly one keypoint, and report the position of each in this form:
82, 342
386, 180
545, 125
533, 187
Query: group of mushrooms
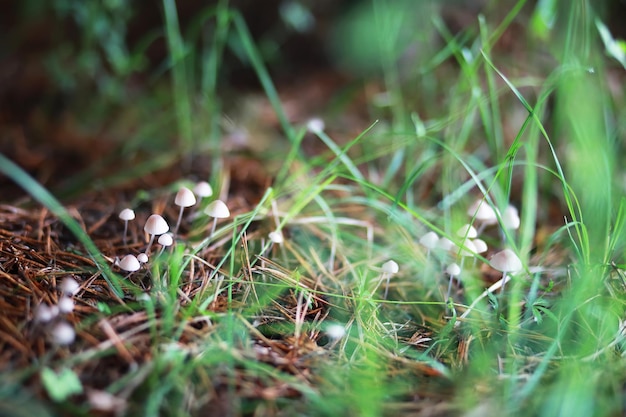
470, 245
156, 225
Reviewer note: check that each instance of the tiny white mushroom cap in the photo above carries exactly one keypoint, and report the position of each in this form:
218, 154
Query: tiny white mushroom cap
335, 331
166, 239
65, 305
510, 218
156, 225
276, 237
315, 125
143, 257
453, 270
390, 267
446, 244
467, 230
69, 286
217, 209
62, 333
506, 261
184, 197
482, 211
203, 189
468, 248
130, 263
480, 245
429, 240
44, 313
127, 214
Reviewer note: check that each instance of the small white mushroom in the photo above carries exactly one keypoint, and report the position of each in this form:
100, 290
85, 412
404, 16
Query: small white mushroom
480, 245
129, 263
165, 240
143, 258
482, 212
218, 210
69, 286
446, 244
388, 269
45, 313
126, 215
315, 125
510, 218
155, 225
62, 333
467, 231
429, 241
184, 198
203, 189
65, 305
506, 261
335, 331
276, 237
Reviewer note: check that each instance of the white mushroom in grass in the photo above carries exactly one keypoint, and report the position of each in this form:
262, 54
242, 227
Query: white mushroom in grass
388, 269
482, 213
165, 240
203, 189
142, 258
217, 210
65, 305
126, 215
507, 262
62, 333
129, 263
510, 218
69, 286
184, 198
429, 241
467, 231
45, 313
155, 225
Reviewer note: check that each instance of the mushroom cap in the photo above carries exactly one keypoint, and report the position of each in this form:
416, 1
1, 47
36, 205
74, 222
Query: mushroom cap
69, 286
445, 244
335, 331
480, 245
390, 267
453, 270
315, 125
45, 313
127, 214
203, 189
130, 263
166, 239
506, 261
468, 248
217, 209
429, 240
143, 257
276, 237
467, 230
156, 225
65, 304
510, 218
482, 211
62, 333
184, 197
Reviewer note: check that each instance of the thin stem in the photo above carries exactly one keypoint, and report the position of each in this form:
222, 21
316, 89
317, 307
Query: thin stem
180, 217
149, 244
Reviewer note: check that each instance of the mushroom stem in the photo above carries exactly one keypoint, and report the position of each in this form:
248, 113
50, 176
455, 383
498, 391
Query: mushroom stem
386, 277
125, 231
213, 226
147, 251
180, 218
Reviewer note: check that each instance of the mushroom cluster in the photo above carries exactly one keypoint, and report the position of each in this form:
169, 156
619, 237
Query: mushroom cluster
157, 228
